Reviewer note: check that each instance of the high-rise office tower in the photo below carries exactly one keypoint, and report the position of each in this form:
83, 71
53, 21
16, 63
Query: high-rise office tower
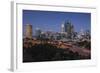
68, 28
28, 31
62, 28
38, 32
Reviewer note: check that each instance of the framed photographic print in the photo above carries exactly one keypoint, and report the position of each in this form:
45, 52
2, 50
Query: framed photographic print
52, 36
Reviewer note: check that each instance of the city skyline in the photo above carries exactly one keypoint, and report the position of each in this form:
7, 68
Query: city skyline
52, 20
56, 36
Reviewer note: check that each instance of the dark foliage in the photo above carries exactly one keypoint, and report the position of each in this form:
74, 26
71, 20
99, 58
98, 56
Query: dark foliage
84, 44
47, 52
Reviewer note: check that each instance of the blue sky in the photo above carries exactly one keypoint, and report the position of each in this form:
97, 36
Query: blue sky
52, 20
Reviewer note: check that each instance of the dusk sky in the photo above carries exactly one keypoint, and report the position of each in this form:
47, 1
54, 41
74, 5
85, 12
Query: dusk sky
51, 20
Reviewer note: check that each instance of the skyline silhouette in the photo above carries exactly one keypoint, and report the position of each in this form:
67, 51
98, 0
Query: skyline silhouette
52, 20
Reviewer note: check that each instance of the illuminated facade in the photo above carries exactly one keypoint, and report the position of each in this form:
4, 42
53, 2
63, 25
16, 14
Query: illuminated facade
28, 31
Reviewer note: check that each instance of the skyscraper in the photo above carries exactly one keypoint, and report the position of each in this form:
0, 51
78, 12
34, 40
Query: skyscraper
62, 28
38, 32
68, 28
28, 31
